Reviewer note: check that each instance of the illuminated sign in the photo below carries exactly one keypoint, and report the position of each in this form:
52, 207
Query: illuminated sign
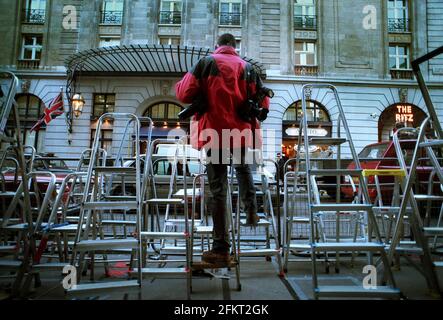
312, 132
404, 114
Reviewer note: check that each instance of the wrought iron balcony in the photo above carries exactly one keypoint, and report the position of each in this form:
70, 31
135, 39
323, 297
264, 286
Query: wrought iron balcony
111, 17
398, 25
230, 19
305, 22
170, 17
34, 16
28, 64
301, 70
402, 74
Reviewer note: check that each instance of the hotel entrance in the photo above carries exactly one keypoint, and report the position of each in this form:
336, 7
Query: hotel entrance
319, 125
396, 116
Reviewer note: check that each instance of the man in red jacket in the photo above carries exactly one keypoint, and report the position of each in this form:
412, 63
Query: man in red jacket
224, 82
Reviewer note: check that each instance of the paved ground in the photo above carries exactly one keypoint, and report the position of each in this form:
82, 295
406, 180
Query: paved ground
259, 281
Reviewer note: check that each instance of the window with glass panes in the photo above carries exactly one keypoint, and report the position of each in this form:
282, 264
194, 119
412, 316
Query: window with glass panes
164, 111
305, 14
169, 41
398, 15
31, 47
399, 57
315, 111
305, 53
109, 41
35, 11
105, 139
30, 109
230, 12
103, 103
112, 12
170, 11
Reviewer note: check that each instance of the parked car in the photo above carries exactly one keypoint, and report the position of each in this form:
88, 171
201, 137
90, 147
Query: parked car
384, 157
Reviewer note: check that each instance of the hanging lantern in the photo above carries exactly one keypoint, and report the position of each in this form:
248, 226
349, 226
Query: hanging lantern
78, 102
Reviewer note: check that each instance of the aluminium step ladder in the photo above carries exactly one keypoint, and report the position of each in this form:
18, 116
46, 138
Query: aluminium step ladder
215, 270
422, 234
89, 236
10, 81
267, 218
362, 208
152, 234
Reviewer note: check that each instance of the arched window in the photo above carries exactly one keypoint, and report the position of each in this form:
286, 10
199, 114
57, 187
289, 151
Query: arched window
30, 109
316, 112
164, 111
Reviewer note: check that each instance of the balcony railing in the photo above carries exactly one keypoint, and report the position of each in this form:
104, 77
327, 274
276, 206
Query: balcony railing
28, 64
34, 16
400, 74
306, 70
398, 25
230, 19
111, 17
305, 22
170, 17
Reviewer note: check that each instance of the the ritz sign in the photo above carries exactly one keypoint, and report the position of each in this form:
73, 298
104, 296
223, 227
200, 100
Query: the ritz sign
404, 114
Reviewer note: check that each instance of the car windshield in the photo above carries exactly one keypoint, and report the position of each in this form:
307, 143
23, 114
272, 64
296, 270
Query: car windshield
374, 151
56, 164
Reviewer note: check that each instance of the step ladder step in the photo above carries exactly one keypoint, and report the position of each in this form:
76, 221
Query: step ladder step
8, 249
253, 238
49, 266
300, 247
109, 205
161, 272
261, 223
431, 143
108, 244
165, 201
7, 194
67, 228
22, 226
259, 252
10, 264
85, 287
425, 197
438, 264
119, 222
357, 291
174, 250
304, 220
126, 170
322, 141
340, 207
349, 246
120, 198
189, 192
335, 172
433, 231
163, 235
409, 250
202, 230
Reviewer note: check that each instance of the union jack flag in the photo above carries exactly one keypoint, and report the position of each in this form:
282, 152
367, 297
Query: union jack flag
53, 111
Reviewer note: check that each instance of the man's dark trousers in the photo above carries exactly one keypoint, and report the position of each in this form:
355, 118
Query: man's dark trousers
218, 184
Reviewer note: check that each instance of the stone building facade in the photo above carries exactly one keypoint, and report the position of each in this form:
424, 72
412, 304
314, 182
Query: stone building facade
363, 47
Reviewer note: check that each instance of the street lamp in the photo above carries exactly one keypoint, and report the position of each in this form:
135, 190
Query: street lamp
78, 102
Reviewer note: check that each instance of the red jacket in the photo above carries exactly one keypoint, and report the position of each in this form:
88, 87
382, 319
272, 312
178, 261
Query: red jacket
222, 77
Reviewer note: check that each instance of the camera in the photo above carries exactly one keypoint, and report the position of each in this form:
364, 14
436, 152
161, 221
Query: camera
197, 106
252, 109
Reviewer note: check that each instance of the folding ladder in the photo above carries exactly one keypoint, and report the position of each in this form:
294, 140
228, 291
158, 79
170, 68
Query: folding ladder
421, 233
267, 218
89, 236
207, 230
316, 207
174, 229
10, 81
